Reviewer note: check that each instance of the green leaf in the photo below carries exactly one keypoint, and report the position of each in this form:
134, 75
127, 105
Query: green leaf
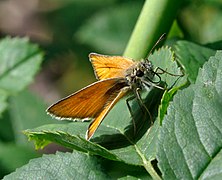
19, 62
67, 135
80, 144
79, 166
213, 170
74, 165
165, 59
192, 57
166, 99
190, 137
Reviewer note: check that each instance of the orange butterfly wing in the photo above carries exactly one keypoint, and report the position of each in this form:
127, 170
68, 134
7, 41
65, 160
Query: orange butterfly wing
88, 102
110, 66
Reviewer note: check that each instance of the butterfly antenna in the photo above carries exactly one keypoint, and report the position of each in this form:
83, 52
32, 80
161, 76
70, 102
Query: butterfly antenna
162, 37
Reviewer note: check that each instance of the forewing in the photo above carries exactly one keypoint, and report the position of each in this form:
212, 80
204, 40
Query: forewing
89, 101
110, 66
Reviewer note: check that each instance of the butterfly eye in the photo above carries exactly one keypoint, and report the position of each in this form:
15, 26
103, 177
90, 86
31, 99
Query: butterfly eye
139, 73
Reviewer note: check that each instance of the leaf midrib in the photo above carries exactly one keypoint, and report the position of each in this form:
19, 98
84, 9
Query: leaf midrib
18, 64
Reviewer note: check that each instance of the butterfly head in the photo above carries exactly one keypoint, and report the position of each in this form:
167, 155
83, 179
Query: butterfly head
140, 73
145, 69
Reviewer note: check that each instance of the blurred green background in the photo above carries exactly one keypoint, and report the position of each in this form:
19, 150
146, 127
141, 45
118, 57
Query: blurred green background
67, 31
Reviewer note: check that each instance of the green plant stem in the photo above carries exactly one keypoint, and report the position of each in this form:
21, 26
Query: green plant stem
148, 166
155, 19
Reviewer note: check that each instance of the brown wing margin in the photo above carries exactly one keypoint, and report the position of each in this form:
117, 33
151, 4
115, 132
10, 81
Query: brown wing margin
96, 122
110, 66
88, 102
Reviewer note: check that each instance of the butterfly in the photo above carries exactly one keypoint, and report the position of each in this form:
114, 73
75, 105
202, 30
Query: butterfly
117, 76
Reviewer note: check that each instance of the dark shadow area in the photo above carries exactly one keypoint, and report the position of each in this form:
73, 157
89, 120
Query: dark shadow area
117, 169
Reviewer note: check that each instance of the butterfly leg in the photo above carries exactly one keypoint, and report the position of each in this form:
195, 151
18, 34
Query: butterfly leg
162, 71
142, 106
165, 71
131, 112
